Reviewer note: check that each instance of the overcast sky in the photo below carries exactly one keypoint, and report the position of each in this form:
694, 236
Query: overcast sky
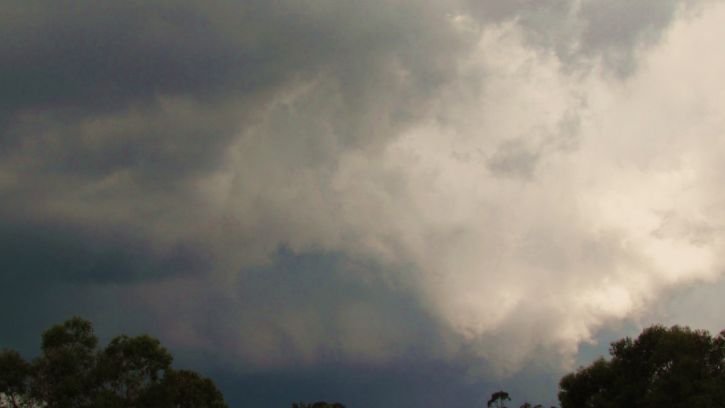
389, 203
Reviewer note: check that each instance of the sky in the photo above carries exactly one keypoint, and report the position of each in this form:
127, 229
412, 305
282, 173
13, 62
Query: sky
387, 203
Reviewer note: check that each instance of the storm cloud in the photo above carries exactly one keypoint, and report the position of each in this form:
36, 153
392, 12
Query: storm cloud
291, 184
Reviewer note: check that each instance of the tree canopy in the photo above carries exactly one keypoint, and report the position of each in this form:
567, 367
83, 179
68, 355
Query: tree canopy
664, 367
319, 404
72, 373
498, 399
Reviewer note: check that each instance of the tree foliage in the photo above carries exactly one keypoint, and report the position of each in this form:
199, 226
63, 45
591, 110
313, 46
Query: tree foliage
129, 367
673, 367
129, 372
498, 399
14, 375
63, 374
319, 404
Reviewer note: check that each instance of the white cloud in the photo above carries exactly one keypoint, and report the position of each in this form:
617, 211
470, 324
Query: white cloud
534, 208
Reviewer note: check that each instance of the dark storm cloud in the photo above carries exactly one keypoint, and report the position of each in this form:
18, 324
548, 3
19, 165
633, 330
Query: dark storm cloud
316, 286
112, 112
159, 144
158, 90
107, 55
104, 55
431, 384
36, 252
298, 311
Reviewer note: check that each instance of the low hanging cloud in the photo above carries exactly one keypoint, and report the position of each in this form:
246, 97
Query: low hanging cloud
499, 179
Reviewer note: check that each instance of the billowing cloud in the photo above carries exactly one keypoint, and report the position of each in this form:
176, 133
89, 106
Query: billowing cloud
366, 181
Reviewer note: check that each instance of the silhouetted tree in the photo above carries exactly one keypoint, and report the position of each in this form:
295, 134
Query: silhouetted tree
183, 389
128, 368
498, 399
319, 404
675, 367
14, 379
63, 374
130, 372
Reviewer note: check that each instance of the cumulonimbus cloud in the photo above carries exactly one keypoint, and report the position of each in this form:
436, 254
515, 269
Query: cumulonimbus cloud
524, 185
535, 209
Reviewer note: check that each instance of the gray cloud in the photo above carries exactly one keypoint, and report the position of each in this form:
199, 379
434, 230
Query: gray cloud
36, 251
514, 159
108, 55
585, 32
616, 30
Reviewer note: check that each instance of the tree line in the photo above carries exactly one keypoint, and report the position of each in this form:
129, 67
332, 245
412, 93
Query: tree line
664, 367
71, 372
672, 367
